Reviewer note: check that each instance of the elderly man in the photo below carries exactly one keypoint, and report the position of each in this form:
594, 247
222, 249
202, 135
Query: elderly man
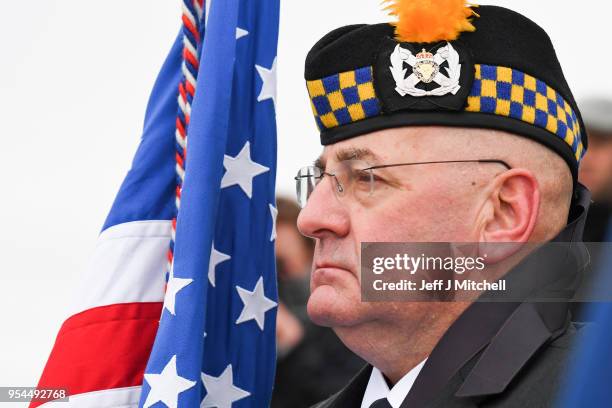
436, 135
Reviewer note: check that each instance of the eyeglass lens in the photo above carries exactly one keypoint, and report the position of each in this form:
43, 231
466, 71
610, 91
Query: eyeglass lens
344, 178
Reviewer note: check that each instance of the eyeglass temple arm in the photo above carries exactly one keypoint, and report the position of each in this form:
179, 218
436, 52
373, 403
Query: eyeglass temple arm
312, 175
503, 163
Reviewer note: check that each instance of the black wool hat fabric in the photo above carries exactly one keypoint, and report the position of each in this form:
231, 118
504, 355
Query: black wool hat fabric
504, 75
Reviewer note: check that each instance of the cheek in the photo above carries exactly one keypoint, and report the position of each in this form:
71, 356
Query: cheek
432, 215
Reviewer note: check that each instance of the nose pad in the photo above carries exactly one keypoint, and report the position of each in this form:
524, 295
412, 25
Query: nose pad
335, 185
339, 186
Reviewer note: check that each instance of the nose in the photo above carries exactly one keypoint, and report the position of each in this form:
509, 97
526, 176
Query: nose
324, 215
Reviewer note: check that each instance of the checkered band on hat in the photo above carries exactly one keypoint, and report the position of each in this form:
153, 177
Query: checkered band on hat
350, 96
508, 92
344, 98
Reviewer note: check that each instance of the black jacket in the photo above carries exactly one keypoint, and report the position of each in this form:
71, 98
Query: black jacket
504, 353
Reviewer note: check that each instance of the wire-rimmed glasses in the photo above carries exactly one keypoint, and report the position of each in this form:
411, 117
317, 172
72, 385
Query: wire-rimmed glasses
357, 177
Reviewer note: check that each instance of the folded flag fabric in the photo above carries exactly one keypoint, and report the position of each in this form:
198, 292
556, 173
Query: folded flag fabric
177, 307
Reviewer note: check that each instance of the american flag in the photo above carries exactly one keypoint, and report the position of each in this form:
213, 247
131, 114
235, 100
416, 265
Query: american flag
202, 331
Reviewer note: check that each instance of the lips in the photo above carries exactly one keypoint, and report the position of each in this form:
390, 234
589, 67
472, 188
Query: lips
324, 264
327, 272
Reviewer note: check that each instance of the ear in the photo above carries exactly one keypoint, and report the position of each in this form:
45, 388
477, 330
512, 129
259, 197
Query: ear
510, 213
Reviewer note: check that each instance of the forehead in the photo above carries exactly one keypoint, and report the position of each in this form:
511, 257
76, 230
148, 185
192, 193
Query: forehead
390, 145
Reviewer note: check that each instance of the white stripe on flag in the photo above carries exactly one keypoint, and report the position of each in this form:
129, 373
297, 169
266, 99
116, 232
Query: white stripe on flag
127, 397
128, 265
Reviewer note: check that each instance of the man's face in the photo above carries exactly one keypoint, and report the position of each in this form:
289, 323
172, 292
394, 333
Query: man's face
596, 167
422, 203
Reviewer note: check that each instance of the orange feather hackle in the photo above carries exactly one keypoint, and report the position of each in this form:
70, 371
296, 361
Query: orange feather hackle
430, 20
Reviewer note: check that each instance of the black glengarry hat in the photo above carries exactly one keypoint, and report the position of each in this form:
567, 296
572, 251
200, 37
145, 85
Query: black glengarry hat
443, 64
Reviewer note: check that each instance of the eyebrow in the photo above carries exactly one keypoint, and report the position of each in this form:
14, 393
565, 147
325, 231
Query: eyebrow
349, 153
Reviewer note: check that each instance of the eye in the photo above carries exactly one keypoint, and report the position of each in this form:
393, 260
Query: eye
369, 176
363, 176
377, 178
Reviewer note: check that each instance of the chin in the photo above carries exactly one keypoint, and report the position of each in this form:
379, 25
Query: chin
328, 306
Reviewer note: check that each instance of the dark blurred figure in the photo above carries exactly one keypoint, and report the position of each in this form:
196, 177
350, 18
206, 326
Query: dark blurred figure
312, 362
596, 174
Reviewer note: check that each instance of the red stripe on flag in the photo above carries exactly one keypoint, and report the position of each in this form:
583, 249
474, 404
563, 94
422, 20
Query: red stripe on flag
102, 348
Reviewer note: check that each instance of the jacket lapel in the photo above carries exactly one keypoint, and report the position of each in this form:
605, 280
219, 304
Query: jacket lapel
523, 334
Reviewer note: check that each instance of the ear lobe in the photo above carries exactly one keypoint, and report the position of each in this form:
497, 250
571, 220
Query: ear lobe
513, 211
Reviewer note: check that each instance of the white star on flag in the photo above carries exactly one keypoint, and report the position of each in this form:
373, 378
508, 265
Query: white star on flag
221, 391
173, 286
216, 258
273, 213
241, 33
268, 88
166, 386
241, 170
256, 304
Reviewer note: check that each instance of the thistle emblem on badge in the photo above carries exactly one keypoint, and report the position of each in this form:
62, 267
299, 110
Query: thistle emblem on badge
426, 69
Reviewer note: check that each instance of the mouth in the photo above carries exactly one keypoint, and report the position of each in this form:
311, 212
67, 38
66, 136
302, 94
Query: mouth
325, 273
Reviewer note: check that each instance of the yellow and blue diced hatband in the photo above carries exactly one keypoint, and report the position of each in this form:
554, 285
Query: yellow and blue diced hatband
344, 98
508, 92
349, 97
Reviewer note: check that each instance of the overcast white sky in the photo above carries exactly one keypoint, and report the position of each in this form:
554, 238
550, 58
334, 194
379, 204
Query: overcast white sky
74, 80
